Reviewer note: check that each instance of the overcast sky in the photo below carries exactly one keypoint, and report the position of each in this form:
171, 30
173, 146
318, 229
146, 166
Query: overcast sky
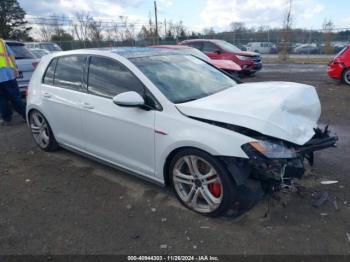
199, 14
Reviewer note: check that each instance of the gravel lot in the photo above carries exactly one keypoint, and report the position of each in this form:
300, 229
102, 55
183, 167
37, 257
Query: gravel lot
61, 203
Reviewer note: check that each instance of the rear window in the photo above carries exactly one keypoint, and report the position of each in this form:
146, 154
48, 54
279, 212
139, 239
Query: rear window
20, 51
342, 51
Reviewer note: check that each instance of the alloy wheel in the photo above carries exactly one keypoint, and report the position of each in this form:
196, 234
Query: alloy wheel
40, 129
197, 183
347, 77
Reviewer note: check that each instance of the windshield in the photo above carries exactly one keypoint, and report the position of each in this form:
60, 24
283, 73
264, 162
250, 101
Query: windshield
183, 78
20, 51
50, 47
227, 46
39, 53
196, 53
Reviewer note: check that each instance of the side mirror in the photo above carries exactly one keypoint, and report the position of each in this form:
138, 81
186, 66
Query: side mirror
129, 99
218, 51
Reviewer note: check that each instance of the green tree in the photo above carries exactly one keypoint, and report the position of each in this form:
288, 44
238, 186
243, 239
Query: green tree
61, 36
12, 23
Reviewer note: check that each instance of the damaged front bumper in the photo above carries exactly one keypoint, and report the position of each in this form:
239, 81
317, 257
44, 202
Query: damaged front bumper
281, 169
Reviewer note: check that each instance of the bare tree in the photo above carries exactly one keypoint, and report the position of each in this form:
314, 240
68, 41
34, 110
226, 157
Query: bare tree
328, 27
287, 24
81, 28
129, 31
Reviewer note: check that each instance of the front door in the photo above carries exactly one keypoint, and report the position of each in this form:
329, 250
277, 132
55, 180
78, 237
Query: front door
121, 135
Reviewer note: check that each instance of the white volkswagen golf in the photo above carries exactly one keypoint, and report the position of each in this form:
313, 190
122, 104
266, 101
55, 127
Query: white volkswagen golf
176, 120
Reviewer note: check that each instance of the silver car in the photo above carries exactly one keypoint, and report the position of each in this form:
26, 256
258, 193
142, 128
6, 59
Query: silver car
26, 63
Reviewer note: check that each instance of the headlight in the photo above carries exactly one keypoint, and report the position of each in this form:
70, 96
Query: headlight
271, 149
243, 58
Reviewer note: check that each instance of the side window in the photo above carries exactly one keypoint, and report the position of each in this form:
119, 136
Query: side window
209, 47
50, 72
197, 45
69, 71
108, 78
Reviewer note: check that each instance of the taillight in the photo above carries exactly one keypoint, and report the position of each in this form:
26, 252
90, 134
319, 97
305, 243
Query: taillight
26, 92
35, 64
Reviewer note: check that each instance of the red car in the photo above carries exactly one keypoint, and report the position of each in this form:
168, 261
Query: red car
339, 67
219, 49
226, 65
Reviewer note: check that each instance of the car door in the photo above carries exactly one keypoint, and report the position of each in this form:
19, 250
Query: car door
121, 135
61, 99
211, 50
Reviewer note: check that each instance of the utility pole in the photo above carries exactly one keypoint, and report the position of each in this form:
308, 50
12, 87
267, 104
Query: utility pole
156, 17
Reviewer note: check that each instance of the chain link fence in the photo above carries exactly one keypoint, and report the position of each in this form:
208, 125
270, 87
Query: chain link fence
302, 45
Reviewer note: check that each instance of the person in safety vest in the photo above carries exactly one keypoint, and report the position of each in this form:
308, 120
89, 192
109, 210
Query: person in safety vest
9, 91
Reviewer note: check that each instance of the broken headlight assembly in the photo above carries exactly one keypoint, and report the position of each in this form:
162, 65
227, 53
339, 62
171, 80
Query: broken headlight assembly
273, 160
269, 149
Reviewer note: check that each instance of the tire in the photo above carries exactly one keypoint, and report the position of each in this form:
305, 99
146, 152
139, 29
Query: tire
41, 132
250, 73
346, 76
206, 187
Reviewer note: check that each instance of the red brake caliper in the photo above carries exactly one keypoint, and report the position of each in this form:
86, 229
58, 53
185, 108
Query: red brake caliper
215, 189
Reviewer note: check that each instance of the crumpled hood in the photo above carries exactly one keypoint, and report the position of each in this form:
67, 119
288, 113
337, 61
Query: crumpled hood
284, 110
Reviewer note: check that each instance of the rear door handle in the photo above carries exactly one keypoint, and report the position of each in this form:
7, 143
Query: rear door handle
88, 106
47, 95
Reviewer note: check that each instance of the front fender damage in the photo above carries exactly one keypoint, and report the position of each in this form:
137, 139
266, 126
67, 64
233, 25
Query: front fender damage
258, 174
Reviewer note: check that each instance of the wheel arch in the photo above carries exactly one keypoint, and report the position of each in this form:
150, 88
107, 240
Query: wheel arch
346, 69
171, 155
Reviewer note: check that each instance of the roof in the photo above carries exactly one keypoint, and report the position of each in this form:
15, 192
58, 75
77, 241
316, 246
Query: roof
132, 52
13, 42
200, 40
126, 52
174, 47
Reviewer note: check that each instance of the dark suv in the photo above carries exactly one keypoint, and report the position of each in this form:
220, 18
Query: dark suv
219, 49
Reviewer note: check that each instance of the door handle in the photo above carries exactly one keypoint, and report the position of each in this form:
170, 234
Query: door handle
47, 95
88, 106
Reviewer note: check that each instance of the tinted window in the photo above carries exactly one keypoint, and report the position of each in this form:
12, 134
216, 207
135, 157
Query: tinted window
196, 53
197, 45
69, 71
342, 51
50, 72
183, 78
108, 78
227, 46
20, 51
209, 47
50, 47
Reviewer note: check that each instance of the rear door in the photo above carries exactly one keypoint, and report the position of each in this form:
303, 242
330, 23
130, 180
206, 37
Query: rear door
61, 95
121, 135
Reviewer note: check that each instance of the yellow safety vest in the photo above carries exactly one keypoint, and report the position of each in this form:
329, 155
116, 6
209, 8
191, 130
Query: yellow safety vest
5, 59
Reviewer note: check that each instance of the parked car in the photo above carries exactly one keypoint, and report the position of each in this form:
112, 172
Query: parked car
51, 47
307, 49
26, 63
339, 46
219, 49
175, 120
339, 67
262, 47
226, 65
39, 52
